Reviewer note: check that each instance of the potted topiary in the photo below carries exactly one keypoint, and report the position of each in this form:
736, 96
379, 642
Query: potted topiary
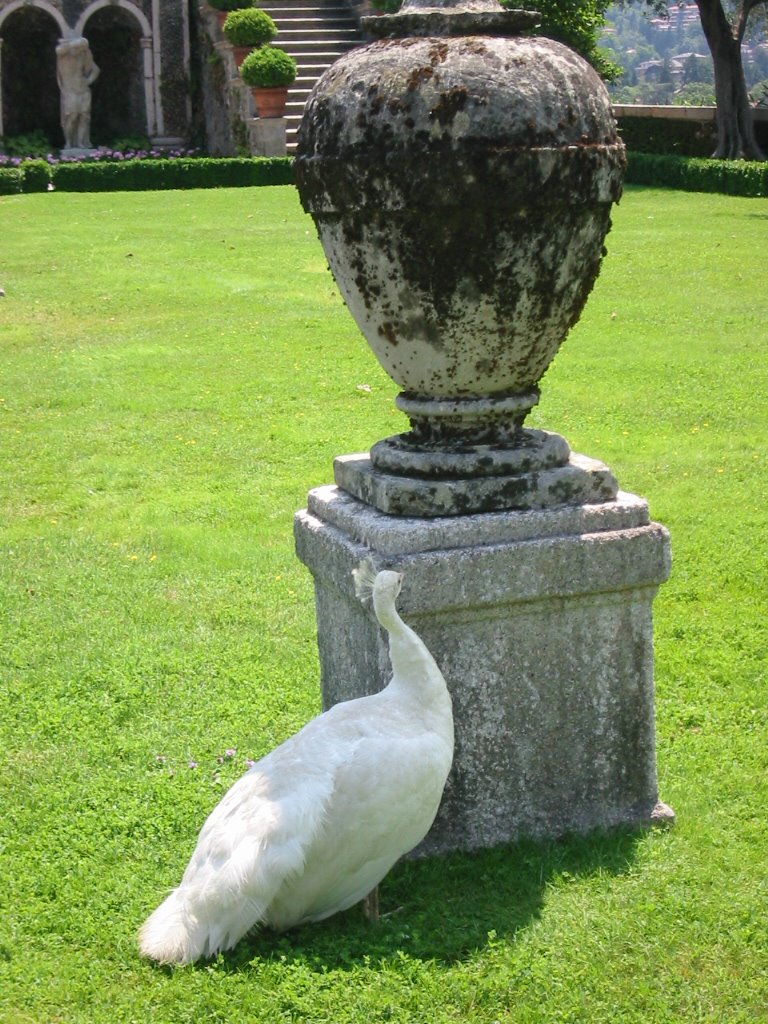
223, 7
248, 28
269, 71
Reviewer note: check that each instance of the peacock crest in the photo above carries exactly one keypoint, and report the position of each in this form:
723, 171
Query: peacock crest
365, 577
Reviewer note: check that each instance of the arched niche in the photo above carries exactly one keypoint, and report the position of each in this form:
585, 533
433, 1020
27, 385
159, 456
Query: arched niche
30, 92
119, 99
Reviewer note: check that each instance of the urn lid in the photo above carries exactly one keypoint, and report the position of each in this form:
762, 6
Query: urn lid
451, 18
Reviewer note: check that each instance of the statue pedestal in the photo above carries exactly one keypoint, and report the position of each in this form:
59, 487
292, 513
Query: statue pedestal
76, 152
541, 623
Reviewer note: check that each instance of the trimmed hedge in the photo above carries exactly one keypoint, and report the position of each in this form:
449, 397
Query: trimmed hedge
691, 174
732, 177
11, 181
180, 173
677, 136
146, 175
37, 175
670, 136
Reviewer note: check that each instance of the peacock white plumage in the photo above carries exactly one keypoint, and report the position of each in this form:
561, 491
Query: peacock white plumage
315, 825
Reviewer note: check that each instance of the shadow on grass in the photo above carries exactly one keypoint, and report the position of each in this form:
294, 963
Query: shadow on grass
444, 908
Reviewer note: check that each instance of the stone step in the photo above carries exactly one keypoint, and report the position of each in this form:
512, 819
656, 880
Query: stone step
315, 18
314, 35
316, 70
307, 59
307, 5
315, 30
301, 48
340, 19
330, 16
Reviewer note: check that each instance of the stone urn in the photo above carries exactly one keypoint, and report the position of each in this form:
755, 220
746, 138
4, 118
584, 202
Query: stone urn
460, 172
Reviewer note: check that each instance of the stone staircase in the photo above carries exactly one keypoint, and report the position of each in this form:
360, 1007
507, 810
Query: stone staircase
315, 33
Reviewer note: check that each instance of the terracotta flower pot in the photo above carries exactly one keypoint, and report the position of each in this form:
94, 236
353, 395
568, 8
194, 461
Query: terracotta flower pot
270, 102
240, 53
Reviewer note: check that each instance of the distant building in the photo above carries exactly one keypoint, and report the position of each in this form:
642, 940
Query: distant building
658, 71
679, 16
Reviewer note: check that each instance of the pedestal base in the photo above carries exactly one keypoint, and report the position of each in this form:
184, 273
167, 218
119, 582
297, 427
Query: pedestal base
267, 136
77, 152
580, 480
541, 624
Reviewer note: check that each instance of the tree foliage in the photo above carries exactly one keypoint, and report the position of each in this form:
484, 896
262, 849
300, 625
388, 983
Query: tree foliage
578, 24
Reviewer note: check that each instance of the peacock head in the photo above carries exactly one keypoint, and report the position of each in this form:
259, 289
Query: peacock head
387, 585
383, 586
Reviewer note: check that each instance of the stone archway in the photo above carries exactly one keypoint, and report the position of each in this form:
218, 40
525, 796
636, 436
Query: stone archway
119, 101
30, 93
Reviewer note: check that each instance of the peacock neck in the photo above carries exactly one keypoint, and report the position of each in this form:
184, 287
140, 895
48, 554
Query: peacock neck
413, 667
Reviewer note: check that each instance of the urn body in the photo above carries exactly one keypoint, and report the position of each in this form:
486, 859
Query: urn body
461, 188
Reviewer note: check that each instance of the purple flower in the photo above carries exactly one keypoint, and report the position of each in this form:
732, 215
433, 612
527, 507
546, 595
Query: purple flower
230, 752
249, 763
192, 764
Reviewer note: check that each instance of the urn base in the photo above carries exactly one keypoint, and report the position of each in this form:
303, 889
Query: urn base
580, 481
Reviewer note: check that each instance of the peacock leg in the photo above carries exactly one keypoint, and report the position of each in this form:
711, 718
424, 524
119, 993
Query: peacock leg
371, 905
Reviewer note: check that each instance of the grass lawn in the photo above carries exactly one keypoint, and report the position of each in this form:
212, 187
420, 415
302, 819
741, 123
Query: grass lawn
176, 371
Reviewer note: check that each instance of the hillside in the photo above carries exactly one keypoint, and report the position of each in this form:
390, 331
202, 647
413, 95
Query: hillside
668, 61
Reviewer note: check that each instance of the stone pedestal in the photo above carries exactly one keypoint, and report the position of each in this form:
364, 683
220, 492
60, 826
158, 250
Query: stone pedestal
461, 173
267, 136
76, 152
541, 623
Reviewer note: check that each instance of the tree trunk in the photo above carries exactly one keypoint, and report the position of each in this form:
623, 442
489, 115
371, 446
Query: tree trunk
735, 130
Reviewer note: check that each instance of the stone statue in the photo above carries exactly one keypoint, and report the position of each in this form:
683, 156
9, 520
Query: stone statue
75, 73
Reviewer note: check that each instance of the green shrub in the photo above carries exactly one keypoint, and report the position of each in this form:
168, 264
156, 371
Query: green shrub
267, 68
33, 144
140, 175
36, 175
691, 174
131, 143
11, 181
694, 94
250, 27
